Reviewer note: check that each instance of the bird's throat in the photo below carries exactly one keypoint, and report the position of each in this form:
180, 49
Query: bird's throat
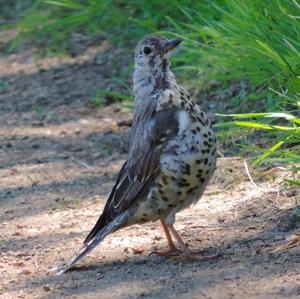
152, 82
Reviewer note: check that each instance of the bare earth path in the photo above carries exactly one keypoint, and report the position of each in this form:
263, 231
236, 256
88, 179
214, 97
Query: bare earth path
58, 160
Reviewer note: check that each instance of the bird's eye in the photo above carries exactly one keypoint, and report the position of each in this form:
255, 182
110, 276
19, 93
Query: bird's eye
146, 50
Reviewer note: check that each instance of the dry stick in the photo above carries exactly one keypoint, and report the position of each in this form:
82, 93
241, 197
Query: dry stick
292, 241
249, 176
30, 179
81, 163
220, 154
213, 191
36, 265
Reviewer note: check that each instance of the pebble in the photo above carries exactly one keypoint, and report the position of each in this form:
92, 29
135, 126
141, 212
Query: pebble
25, 272
136, 250
157, 236
18, 264
47, 288
16, 234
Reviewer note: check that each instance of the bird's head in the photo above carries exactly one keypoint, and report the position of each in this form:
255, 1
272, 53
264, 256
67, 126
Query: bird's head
152, 52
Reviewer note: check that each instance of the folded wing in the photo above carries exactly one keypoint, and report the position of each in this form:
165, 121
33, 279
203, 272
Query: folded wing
151, 131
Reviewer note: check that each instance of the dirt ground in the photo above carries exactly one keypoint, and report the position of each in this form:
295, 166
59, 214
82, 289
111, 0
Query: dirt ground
58, 160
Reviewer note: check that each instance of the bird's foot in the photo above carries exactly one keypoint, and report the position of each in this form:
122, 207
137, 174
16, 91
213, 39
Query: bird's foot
171, 252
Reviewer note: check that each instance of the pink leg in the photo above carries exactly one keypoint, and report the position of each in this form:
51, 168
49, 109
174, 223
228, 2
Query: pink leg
187, 253
172, 248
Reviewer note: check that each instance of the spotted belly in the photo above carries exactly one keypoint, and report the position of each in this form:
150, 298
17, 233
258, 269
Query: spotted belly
186, 168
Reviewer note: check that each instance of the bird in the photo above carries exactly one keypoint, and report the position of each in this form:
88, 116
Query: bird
171, 156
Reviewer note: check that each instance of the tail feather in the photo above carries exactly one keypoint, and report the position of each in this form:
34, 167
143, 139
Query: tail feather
99, 226
87, 247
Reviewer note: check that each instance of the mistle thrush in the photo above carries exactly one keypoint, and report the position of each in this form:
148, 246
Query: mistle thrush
172, 153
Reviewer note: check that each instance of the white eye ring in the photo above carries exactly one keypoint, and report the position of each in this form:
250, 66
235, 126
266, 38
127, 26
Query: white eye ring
146, 50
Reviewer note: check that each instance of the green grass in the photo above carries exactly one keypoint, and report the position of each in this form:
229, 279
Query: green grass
255, 40
286, 138
51, 23
250, 50
104, 97
225, 40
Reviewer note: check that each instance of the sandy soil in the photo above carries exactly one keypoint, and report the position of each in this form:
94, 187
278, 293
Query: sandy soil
58, 161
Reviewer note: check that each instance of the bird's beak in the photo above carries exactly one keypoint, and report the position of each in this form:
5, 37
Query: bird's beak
171, 44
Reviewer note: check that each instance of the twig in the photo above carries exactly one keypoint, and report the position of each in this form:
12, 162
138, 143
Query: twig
249, 176
220, 154
292, 241
36, 265
81, 163
213, 191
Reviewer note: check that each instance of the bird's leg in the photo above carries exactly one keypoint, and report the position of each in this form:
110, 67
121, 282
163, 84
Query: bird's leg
187, 253
172, 248
168, 235
178, 238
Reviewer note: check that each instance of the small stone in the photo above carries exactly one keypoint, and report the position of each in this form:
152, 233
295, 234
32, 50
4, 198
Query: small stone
18, 264
137, 250
47, 288
16, 234
21, 254
25, 272
157, 236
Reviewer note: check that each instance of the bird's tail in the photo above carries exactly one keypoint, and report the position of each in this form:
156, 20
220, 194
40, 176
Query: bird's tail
87, 247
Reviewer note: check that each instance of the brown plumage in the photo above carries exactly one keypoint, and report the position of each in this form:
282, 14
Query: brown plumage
172, 152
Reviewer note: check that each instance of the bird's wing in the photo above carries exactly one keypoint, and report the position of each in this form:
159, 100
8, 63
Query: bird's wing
151, 129
150, 132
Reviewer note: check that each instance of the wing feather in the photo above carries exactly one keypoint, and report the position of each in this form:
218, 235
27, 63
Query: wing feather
150, 132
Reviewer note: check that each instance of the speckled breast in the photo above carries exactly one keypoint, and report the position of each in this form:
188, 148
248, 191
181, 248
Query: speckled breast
187, 164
